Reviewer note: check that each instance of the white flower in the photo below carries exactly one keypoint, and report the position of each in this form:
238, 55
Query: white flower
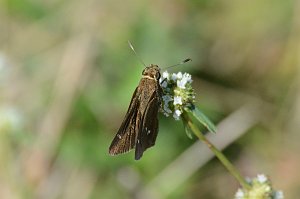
239, 194
268, 188
164, 84
167, 110
261, 178
278, 195
179, 75
181, 83
177, 100
187, 77
177, 93
261, 188
165, 75
174, 77
167, 99
177, 114
248, 179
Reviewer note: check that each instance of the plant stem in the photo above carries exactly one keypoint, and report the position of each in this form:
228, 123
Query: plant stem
218, 153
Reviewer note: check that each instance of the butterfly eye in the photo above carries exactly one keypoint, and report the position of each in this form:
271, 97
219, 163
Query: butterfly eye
158, 76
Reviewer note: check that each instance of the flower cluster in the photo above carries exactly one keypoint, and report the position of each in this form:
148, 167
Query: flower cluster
177, 93
260, 189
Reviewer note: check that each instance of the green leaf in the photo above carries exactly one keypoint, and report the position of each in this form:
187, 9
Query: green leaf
202, 118
187, 129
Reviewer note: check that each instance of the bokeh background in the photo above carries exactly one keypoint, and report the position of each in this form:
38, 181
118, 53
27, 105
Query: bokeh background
67, 76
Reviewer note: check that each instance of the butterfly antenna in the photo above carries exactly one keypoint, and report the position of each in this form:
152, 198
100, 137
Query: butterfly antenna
132, 48
183, 62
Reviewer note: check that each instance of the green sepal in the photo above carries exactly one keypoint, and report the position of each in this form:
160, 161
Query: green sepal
187, 129
202, 118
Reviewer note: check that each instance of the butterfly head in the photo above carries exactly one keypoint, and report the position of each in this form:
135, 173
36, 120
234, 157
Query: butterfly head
152, 72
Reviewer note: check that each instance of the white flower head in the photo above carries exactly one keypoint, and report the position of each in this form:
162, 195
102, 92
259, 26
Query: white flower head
165, 75
260, 188
177, 93
248, 180
187, 77
278, 195
239, 194
177, 100
181, 83
261, 178
177, 114
174, 77
179, 75
166, 99
164, 84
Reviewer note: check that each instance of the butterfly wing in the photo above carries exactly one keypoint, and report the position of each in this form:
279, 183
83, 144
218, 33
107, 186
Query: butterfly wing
149, 126
125, 138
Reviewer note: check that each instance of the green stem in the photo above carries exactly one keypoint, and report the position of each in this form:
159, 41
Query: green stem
218, 153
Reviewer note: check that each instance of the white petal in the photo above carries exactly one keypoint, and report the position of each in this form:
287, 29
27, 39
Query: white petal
239, 194
179, 75
165, 75
177, 114
167, 98
187, 77
278, 195
174, 77
166, 114
181, 83
164, 84
177, 100
261, 178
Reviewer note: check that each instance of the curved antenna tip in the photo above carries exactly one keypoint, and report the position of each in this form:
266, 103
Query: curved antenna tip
183, 62
187, 60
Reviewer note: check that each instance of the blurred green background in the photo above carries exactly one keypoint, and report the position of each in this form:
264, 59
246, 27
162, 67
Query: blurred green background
67, 76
